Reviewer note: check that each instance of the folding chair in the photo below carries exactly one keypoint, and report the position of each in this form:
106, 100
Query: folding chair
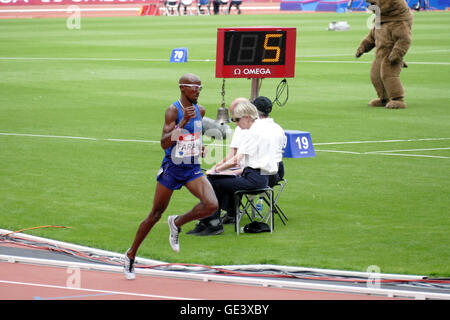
245, 205
172, 8
276, 208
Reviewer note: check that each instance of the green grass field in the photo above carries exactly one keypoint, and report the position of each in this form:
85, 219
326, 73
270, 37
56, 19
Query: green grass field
377, 202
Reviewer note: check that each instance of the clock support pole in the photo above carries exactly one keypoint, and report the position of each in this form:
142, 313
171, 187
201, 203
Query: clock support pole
256, 84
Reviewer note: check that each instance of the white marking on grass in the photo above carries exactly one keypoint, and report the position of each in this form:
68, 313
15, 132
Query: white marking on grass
78, 59
195, 60
158, 141
379, 141
325, 55
407, 155
396, 153
382, 152
131, 140
46, 136
409, 150
340, 151
92, 59
74, 137
393, 152
370, 62
352, 54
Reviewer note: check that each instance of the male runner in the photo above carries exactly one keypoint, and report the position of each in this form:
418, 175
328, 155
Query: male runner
181, 140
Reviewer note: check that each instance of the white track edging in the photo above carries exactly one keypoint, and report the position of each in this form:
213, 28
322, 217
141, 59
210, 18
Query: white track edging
237, 280
297, 284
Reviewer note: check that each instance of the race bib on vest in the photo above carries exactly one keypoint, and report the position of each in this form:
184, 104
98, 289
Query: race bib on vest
188, 145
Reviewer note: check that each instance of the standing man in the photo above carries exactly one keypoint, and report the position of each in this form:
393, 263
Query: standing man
181, 140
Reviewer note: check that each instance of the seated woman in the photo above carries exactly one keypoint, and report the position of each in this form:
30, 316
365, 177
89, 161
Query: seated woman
256, 158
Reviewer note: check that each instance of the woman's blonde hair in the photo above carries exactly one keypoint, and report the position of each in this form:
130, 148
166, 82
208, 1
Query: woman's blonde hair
245, 108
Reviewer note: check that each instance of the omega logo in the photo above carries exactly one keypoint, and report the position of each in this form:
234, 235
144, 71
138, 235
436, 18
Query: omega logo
251, 71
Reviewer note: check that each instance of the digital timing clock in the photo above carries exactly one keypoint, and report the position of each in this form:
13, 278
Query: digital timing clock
255, 52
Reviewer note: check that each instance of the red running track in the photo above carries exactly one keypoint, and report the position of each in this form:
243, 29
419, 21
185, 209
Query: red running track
32, 282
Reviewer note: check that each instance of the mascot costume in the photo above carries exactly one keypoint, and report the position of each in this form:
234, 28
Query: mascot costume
391, 37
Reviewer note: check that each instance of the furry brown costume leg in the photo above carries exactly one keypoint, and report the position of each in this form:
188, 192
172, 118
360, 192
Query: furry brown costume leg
377, 81
400, 36
391, 42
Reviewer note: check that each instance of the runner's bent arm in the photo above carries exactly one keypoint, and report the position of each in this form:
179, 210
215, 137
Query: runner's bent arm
170, 133
169, 137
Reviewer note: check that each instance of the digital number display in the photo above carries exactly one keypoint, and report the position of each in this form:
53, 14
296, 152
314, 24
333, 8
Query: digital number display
255, 52
254, 48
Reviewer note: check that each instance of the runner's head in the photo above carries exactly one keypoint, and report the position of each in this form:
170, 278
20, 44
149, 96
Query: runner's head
190, 87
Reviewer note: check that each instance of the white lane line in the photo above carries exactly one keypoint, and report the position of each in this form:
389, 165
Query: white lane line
393, 152
45, 136
407, 155
352, 54
407, 150
370, 62
96, 290
396, 153
157, 141
131, 140
379, 141
220, 145
439, 63
339, 151
92, 59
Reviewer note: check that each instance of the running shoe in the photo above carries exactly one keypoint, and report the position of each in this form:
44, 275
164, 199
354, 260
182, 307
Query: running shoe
174, 233
128, 267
